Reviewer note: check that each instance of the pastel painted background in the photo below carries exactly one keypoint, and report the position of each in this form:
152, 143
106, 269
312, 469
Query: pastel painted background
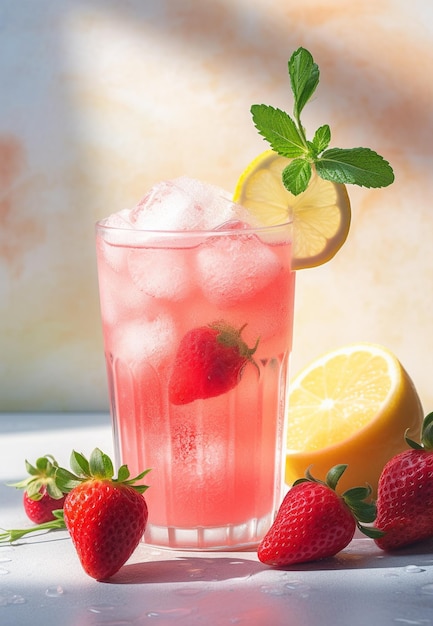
99, 99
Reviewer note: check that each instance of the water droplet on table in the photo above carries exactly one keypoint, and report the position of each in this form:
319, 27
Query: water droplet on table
3, 571
413, 569
100, 608
169, 613
273, 590
54, 592
297, 585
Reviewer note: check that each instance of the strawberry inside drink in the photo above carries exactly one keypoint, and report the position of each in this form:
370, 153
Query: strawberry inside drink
197, 312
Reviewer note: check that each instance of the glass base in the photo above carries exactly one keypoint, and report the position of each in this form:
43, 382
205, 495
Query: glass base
228, 537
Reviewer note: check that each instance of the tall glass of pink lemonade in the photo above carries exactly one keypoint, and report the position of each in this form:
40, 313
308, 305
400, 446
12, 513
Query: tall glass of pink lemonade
197, 313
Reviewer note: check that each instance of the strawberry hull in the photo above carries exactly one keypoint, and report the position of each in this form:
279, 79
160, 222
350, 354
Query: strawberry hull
217, 461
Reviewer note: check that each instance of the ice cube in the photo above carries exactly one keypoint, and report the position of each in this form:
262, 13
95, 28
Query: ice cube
185, 204
217, 207
165, 207
120, 300
121, 219
160, 272
152, 340
232, 269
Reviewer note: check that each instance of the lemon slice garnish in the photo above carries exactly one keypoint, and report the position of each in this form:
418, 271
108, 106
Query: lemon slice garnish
321, 214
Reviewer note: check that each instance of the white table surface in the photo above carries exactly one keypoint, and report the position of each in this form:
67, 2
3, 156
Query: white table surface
42, 583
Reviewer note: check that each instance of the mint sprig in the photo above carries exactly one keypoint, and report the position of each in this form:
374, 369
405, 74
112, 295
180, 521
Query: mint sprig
286, 135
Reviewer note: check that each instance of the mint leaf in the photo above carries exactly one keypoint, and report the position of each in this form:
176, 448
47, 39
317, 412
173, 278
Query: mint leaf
279, 130
296, 176
304, 78
356, 166
321, 138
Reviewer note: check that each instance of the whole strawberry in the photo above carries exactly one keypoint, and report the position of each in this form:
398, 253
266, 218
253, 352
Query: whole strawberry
41, 495
105, 516
405, 493
314, 522
210, 361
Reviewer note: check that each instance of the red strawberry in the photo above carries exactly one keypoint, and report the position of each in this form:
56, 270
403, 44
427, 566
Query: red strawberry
41, 511
210, 361
314, 522
106, 517
405, 494
42, 495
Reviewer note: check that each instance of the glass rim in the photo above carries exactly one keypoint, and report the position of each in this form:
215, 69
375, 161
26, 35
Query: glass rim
222, 230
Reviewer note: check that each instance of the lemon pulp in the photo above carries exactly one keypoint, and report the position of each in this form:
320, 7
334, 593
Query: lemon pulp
352, 406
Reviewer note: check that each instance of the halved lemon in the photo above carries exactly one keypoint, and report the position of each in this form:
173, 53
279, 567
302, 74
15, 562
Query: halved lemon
352, 405
321, 214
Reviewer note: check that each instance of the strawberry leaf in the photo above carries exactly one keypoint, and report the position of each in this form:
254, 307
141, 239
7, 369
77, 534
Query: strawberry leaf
53, 490
66, 480
371, 532
363, 511
33, 489
42, 477
334, 475
427, 432
426, 435
123, 474
101, 465
30, 469
79, 464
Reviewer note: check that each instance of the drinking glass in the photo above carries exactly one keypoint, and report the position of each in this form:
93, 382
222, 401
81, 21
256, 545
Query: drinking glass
217, 463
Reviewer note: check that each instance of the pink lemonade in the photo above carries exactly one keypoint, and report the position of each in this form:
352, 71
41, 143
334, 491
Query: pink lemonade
217, 462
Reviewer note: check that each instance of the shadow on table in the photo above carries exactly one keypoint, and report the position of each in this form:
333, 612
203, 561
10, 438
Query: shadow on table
363, 554
187, 569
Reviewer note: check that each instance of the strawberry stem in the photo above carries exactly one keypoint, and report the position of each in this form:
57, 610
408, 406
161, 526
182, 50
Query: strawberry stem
56, 524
